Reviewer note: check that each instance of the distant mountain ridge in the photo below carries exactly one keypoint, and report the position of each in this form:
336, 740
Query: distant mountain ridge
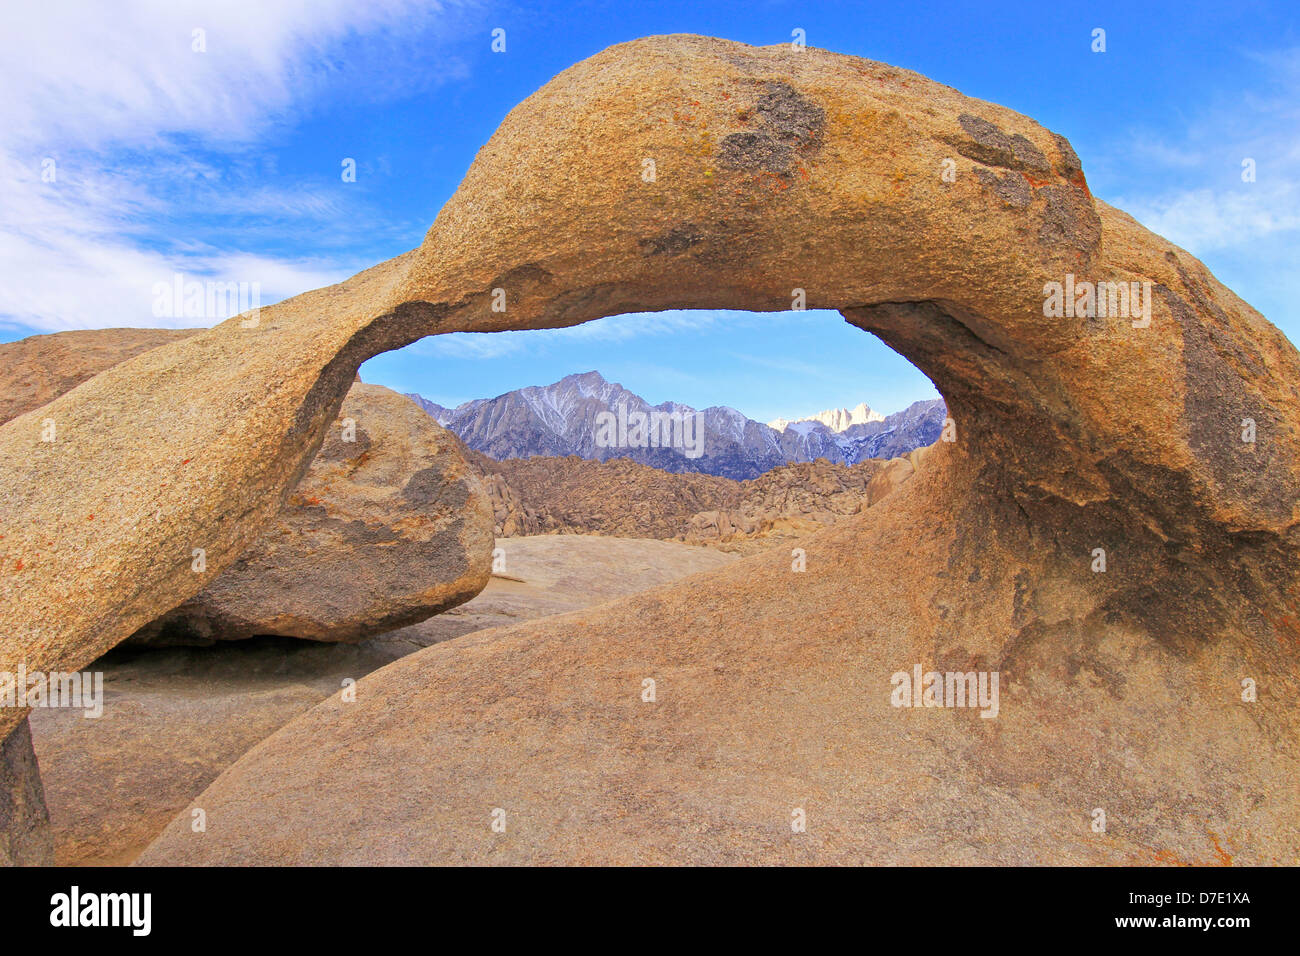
568, 418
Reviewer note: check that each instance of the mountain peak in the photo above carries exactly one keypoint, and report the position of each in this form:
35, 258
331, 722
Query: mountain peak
586, 384
561, 419
836, 419
592, 376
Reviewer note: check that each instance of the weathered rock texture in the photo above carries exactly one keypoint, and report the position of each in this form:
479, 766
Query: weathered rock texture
777, 169
38, 369
388, 527
177, 717
789, 501
25, 837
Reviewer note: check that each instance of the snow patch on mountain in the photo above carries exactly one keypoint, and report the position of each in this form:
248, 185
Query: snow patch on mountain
561, 419
836, 419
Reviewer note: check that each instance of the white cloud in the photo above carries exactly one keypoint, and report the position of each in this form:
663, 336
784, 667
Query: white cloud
1188, 186
127, 70
472, 345
145, 134
1205, 219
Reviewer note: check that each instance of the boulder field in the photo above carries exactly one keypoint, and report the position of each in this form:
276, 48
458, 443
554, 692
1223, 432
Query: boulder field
1112, 533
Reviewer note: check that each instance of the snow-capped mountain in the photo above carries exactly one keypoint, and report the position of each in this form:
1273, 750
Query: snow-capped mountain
836, 419
587, 416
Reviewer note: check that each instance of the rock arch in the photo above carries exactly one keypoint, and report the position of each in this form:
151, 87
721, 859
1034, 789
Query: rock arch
775, 170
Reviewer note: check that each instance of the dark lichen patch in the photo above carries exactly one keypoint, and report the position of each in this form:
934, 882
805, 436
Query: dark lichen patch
788, 123
1065, 223
987, 144
674, 242
991, 146
1011, 188
789, 115
1069, 164
1184, 627
524, 279
1028, 155
755, 152
1216, 399
334, 448
1244, 354
358, 532
983, 132
746, 64
430, 485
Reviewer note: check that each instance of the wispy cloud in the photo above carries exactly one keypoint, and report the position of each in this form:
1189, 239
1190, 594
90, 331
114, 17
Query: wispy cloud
638, 324
1235, 163
129, 147
1206, 219
788, 366
472, 345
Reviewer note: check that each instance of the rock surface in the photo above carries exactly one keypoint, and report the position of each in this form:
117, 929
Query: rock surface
25, 836
773, 694
174, 718
349, 556
555, 574
389, 526
891, 474
33, 372
38, 369
778, 169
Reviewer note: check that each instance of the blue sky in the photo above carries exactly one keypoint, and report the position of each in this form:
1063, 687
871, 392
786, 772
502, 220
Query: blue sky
225, 163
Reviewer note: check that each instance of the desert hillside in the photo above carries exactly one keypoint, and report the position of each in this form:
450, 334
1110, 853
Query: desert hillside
572, 495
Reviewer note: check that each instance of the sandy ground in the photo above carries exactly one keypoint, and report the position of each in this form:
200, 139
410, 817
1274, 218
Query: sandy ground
175, 718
